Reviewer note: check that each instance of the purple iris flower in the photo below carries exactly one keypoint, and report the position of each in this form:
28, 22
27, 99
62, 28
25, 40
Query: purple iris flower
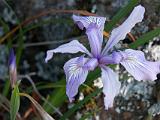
77, 69
12, 68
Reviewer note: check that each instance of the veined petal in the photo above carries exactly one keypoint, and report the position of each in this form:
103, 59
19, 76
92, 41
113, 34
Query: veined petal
120, 32
91, 64
76, 73
95, 44
111, 86
95, 23
136, 64
107, 60
86, 21
72, 47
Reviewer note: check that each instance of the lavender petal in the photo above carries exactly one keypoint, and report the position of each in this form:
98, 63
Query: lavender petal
92, 22
75, 75
72, 47
120, 32
111, 86
95, 44
141, 69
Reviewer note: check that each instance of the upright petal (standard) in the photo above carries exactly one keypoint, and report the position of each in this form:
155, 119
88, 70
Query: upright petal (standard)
94, 30
120, 32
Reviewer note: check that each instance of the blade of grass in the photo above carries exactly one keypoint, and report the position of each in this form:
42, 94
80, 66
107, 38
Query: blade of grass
145, 38
80, 104
9, 44
6, 88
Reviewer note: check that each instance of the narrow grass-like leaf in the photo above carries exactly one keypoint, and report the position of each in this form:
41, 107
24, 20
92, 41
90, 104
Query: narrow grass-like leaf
20, 46
80, 104
121, 14
6, 88
57, 97
145, 38
41, 111
15, 102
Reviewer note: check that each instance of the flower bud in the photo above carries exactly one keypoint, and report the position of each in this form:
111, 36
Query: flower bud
12, 68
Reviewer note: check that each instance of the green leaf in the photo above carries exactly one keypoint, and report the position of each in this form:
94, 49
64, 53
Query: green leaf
80, 104
121, 14
57, 98
15, 103
6, 87
145, 38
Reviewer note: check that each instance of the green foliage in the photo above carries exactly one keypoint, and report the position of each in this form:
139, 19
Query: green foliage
145, 38
15, 102
6, 88
80, 104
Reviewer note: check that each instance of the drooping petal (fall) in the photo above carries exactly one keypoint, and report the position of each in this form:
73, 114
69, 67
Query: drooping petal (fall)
76, 71
136, 64
111, 86
72, 47
120, 32
94, 30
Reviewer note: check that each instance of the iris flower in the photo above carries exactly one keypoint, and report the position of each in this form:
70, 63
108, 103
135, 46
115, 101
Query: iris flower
77, 69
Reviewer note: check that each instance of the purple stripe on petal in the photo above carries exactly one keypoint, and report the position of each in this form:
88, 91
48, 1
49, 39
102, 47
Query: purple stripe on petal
139, 67
75, 75
120, 32
111, 86
72, 47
